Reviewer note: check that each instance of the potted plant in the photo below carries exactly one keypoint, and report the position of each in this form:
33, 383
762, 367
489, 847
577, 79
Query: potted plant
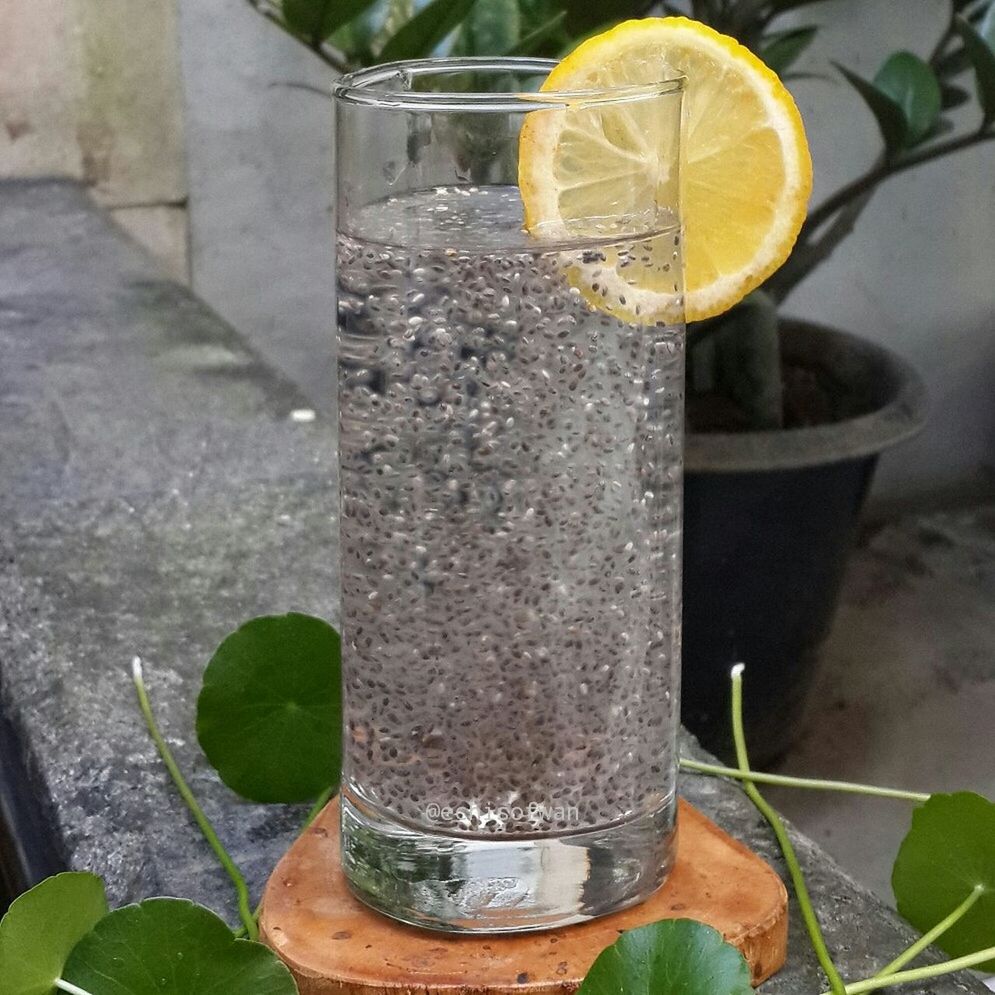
786, 418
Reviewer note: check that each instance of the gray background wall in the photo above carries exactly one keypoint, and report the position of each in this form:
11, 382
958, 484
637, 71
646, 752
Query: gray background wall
259, 161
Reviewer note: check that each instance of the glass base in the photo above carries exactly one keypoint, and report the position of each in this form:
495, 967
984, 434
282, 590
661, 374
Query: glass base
465, 884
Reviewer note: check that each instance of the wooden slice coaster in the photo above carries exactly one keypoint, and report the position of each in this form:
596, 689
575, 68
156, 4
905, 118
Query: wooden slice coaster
335, 944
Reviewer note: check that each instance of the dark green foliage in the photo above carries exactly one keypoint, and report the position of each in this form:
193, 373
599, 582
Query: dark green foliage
666, 958
420, 36
911, 84
170, 946
782, 48
269, 715
738, 358
316, 20
40, 929
888, 114
948, 852
981, 53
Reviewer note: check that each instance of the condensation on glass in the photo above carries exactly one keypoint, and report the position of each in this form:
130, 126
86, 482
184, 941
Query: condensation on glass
510, 473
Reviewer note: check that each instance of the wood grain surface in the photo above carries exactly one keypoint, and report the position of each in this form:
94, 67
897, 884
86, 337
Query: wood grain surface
335, 945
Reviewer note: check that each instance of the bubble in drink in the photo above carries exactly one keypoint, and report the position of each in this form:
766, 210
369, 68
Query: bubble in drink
510, 527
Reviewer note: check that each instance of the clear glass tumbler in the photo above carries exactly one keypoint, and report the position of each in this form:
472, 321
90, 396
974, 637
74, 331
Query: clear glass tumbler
510, 473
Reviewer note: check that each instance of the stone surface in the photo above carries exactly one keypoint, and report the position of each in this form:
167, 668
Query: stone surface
115, 381
162, 229
157, 493
906, 696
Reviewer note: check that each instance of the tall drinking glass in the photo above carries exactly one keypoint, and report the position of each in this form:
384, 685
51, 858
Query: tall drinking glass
510, 471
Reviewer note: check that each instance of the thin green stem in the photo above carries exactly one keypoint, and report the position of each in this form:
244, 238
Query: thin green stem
320, 802
794, 868
815, 784
944, 38
920, 973
933, 935
68, 986
241, 888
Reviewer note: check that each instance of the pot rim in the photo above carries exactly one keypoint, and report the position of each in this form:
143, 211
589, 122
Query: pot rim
899, 418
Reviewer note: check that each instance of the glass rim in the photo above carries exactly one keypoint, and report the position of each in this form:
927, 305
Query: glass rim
358, 87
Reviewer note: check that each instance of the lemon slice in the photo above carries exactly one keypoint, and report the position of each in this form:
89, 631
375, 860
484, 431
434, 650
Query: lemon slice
745, 164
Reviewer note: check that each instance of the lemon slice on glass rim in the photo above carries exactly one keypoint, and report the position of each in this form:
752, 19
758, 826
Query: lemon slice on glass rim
745, 165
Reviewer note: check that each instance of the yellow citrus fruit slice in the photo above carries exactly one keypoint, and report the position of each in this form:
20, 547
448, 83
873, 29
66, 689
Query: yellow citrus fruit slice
745, 169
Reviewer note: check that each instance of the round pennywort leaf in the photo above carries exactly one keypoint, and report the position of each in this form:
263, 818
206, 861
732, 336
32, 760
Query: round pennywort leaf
950, 850
269, 716
169, 946
675, 955
41, 928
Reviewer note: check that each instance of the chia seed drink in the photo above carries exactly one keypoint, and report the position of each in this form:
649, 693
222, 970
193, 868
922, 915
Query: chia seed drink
510, 473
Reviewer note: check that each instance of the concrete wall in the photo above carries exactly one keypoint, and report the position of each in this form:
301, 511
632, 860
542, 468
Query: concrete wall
260, 164
92, 90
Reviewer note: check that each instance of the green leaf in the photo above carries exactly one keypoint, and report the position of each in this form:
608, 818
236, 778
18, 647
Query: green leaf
269, 715
426, 30
533, 41
982, 57
41, 928
888, 114
169, 946
582, 15
952, 96
316, 20
491, 28
910, 82
666, 958
948, 851
782, 48
987, 27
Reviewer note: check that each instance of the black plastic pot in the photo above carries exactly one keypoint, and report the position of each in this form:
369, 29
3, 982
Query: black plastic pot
769, 519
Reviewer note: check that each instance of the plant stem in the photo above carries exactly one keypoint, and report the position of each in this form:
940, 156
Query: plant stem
887, 169
68, 986
920, 973
845, 207
794, 868
241, 888
948, 33
320, 802
933, 935
326, 53
816, 784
